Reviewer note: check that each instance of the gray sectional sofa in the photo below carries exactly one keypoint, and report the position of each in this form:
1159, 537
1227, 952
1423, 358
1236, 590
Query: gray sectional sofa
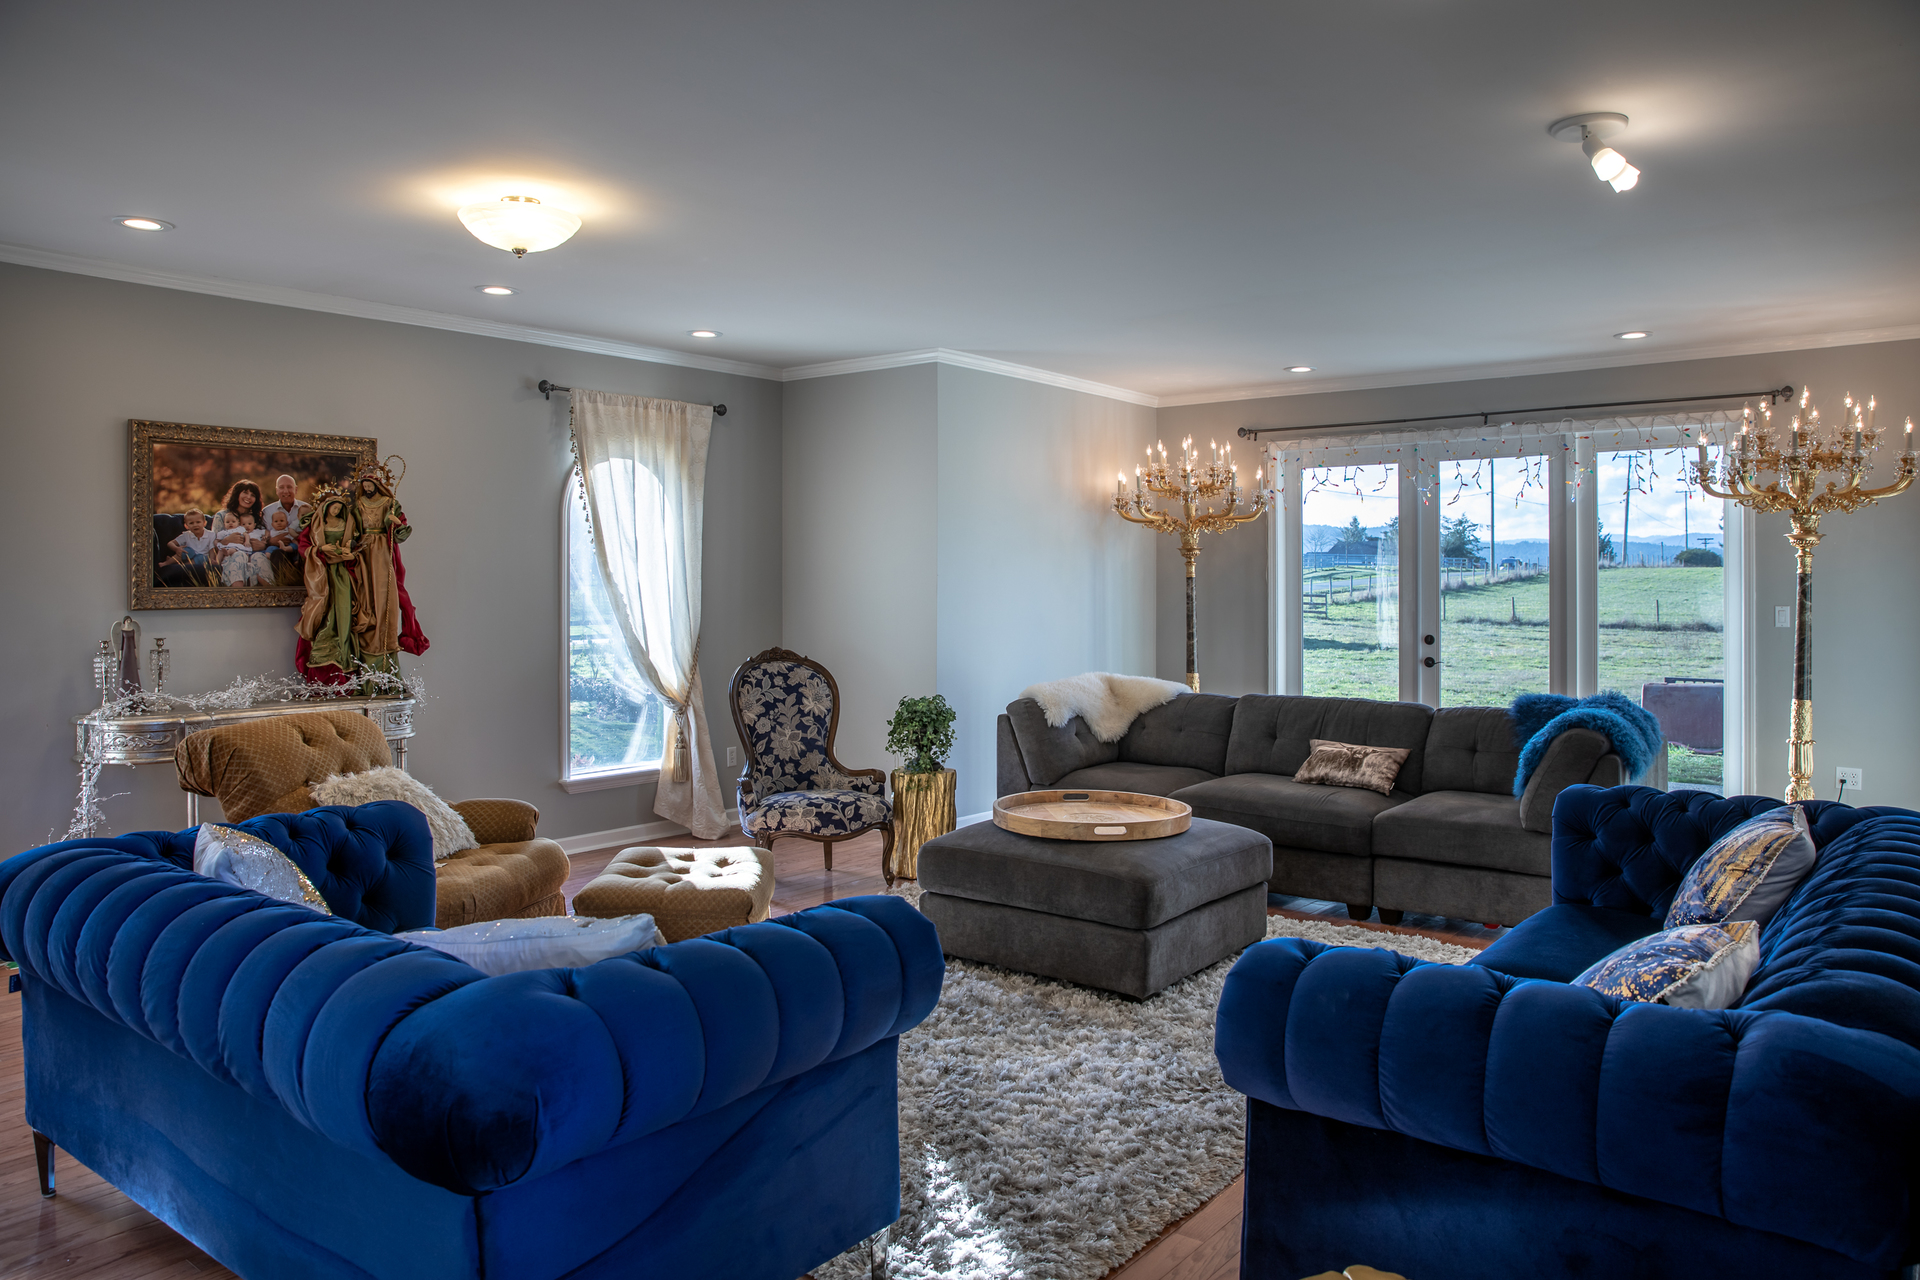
1451, 839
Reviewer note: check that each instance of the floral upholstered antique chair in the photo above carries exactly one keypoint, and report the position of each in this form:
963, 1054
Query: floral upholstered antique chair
787, 708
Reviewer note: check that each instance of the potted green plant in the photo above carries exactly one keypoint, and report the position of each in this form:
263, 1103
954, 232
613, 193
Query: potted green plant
921, 734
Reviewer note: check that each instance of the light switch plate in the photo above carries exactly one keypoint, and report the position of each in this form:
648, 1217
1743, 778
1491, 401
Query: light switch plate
1783, 615
733, 755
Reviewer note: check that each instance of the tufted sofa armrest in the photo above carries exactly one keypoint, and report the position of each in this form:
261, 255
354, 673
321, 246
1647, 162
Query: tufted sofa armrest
1628, 848
1701, 1109
499, 821
403, 1054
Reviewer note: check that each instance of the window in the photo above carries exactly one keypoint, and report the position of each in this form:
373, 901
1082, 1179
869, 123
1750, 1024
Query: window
1494, 589
1661, 600
615, 725
1350, 582
1578, 560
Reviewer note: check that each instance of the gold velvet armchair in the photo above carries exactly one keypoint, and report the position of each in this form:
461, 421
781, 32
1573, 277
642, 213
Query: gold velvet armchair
267, 766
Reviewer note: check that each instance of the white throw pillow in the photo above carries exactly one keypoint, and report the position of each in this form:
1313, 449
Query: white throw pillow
234, 857
450, 831
495, 947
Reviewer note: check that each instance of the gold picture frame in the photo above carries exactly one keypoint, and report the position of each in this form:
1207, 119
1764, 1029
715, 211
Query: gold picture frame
178, 469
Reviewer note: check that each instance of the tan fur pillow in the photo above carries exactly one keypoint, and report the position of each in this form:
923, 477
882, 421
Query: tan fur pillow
1344, 764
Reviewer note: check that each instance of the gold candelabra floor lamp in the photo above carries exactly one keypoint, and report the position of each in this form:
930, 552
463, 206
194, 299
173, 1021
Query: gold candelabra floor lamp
1195, 497
1843, 451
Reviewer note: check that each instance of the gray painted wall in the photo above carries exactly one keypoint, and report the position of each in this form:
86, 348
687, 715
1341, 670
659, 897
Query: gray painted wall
487, 456
1038, 578
1866, 571
857, 556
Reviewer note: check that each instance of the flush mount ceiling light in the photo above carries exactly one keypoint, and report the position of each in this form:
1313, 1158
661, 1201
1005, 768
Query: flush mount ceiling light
1591, 130
519, 224
1631, 334
134, 222
1299, 368
703, 333
497, 290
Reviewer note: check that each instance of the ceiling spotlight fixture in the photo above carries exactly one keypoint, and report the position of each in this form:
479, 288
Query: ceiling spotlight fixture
497, 290
1631, 334
519, 224
1591, 131
703, 333
134, 222
1299, 368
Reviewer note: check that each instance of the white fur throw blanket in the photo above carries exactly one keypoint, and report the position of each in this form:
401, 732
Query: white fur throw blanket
1108, 703
450, 831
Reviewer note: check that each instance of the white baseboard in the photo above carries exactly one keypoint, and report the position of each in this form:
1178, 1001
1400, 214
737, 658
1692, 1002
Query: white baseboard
968, 819
637, 834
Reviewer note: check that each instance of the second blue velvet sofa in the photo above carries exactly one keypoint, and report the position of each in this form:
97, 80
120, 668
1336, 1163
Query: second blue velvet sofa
307, 1097
1489, 1119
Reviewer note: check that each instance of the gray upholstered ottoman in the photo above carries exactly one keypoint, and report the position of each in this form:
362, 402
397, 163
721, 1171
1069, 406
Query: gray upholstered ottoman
1131, 916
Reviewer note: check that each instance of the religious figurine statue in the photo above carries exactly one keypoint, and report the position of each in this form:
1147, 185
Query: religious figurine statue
357, 612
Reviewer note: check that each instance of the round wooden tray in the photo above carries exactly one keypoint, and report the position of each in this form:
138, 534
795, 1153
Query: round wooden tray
1091, 815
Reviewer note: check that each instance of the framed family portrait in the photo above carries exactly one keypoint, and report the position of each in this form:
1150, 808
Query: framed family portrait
216, 511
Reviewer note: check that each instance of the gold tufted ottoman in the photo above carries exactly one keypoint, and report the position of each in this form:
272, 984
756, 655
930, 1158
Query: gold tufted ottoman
688, 892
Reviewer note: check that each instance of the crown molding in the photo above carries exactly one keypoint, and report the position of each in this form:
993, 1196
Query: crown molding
1522, 368
967, 360
282, 296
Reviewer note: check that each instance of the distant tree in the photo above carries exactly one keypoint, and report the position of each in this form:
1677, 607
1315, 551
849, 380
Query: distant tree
1320, 537
1460, 538
1606, 547
1354, 532
1698, 558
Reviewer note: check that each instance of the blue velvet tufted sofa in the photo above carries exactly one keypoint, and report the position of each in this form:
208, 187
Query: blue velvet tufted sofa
1490, 1119
309, 1097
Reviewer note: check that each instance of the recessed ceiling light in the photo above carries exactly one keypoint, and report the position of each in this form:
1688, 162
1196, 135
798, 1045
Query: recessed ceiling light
1632, 334
1299, 368
703, 333
497, 290
134, 222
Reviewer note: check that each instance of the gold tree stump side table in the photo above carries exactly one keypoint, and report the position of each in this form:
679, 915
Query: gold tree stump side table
923, 807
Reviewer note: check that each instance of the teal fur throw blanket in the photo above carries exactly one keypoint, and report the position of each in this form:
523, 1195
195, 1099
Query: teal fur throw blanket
1539, 718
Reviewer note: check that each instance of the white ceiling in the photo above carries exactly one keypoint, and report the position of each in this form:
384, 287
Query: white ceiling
1179, 199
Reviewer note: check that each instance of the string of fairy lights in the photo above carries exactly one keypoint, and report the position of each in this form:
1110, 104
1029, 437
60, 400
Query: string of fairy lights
1335, 464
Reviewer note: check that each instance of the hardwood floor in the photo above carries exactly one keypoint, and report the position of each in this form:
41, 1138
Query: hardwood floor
91, 1230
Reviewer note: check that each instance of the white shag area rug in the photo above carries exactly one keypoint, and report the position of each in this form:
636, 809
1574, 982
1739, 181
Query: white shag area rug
1050, 1132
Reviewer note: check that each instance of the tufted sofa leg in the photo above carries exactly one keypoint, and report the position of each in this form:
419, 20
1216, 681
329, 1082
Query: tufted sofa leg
43, 1163
1359, 910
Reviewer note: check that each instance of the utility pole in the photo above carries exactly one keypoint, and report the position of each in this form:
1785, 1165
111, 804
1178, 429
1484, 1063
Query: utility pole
1493, 543
1626, 520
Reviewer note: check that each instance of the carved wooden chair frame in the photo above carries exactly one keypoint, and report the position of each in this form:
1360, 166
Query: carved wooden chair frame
778, 654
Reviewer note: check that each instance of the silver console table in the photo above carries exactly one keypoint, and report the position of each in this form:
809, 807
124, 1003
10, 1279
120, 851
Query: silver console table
151, 739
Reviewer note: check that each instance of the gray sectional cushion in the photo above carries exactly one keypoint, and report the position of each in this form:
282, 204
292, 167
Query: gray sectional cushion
1050, 752
1570, 758
1191, 732
1471, 749
1147, 779
1302, 814
1271, 733
1463, 828
1133, 884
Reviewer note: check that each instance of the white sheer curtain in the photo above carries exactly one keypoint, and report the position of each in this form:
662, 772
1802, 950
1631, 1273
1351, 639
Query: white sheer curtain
644, 463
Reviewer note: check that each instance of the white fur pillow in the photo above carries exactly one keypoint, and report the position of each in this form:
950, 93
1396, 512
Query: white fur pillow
450, 831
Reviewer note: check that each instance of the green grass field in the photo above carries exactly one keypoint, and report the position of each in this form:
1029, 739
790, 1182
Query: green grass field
1490, 657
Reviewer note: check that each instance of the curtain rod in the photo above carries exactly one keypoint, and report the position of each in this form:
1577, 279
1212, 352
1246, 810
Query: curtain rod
1774, 396
548, 388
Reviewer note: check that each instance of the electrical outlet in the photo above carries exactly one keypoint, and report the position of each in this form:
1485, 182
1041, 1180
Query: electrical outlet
1783, 616
1848, 778
733, 755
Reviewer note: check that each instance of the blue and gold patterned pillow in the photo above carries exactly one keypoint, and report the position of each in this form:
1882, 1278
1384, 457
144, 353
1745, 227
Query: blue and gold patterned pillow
1697, 966
1748, 872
